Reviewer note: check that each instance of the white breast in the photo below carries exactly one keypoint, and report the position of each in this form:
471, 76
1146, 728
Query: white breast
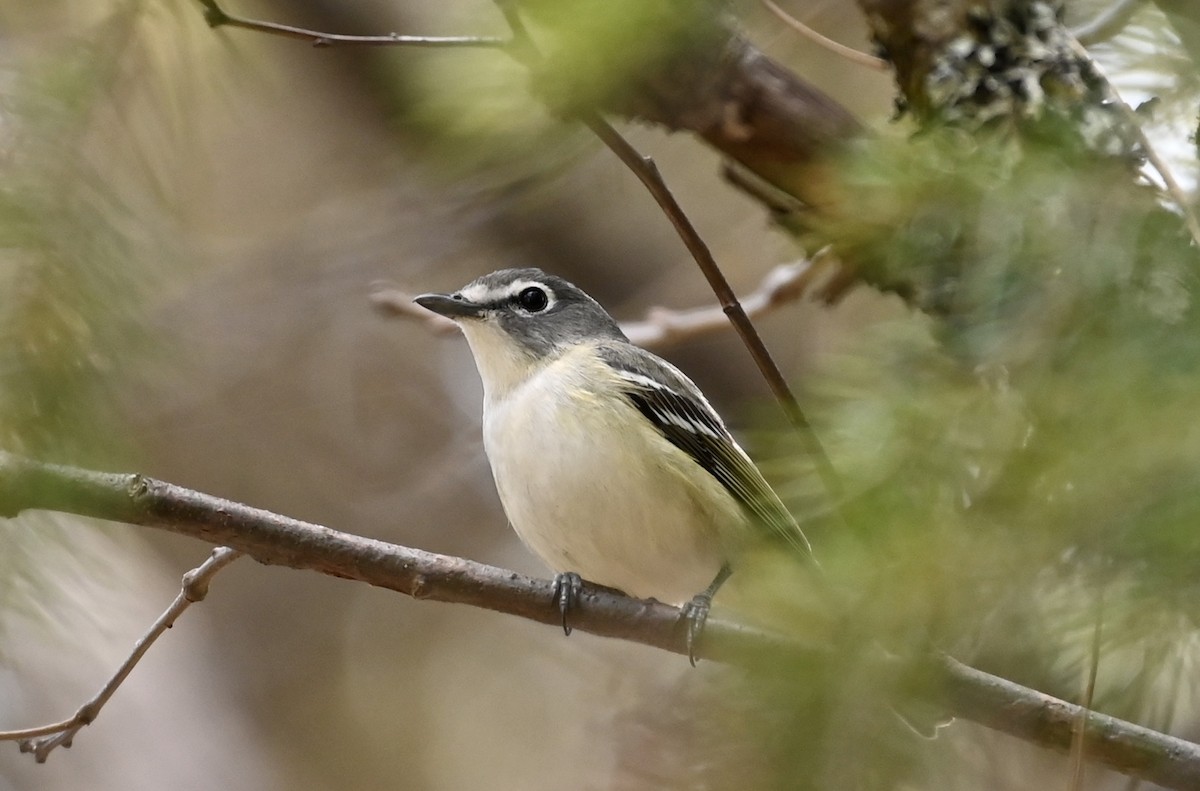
625, 509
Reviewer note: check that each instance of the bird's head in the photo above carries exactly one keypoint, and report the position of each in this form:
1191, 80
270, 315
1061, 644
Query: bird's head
515, 320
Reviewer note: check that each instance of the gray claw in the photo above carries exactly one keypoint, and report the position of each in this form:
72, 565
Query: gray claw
695, 613
568, 587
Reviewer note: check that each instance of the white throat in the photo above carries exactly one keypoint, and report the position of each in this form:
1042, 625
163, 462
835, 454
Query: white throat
502, 364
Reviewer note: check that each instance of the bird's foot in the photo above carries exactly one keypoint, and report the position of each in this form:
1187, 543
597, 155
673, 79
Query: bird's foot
695, 615
568, 587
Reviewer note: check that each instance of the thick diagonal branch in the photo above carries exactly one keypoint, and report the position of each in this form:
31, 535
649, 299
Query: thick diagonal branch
279, 540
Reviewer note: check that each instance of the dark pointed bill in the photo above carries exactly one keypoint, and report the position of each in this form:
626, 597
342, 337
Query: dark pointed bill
449, 305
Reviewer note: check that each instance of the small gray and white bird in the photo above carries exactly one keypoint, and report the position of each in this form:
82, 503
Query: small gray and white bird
609, 461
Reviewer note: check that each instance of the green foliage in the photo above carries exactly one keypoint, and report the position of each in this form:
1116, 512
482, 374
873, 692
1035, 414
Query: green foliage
69, 278
1025, 456
489, 111
476, 115
597, 50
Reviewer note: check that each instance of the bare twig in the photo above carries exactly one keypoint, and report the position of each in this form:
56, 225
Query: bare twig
218, 17
837, 48
278, 540
647, 172
392, 301
1108, 23
783, 285
42, 740
662, 327
1135, 123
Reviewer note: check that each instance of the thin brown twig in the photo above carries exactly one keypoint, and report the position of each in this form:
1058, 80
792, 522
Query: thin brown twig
396, 302
647, 172
43, 739
783, 285
216, 16
277, 540
836, 47
662, 327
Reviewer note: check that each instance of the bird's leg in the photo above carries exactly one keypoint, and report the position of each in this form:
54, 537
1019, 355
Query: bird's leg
695, 612
568, 587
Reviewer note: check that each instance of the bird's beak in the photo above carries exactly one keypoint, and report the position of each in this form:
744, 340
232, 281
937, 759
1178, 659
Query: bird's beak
452, 306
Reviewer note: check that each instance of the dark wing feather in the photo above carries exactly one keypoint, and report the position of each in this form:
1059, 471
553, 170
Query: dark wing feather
676, 407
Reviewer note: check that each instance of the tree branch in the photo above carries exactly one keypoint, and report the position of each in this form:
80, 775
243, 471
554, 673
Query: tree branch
662, 327
278, 540
647, 172
218, 17
731, 95
1122, 746
42, 740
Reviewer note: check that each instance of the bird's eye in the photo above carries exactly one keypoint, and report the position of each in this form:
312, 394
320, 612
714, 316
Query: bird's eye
533, 299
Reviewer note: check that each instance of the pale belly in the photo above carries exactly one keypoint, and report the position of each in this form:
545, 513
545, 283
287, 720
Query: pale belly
571, 492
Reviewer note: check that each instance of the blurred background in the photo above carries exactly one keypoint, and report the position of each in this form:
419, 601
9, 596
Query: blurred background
193, 222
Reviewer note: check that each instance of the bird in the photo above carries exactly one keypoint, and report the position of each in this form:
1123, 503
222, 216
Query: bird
610, 463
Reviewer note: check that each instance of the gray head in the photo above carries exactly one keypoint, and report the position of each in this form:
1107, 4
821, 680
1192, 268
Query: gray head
542, 313
515, 318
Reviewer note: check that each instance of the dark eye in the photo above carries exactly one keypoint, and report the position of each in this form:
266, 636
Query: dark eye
533, 299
